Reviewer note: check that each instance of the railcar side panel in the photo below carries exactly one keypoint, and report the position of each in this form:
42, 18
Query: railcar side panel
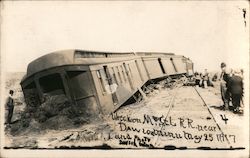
181, 67
168, 66
154, 68
141, 70
135, 76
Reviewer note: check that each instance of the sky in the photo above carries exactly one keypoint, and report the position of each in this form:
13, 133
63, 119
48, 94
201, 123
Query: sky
207, 32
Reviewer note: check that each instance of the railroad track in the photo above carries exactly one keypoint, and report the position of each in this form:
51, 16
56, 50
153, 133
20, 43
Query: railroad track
205, 104
170, 105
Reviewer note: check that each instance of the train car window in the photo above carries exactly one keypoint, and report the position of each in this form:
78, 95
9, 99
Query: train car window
130, 71
139, 70
52, 84
172, 61
114, 76
92, 54
79, 83
108, 77
100, 78
124, 65
84, 54
119, 74
99, 55
78, 55
123, 73
162, 68
128, 76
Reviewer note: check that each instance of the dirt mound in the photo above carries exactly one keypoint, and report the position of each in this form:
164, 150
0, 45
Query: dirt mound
56, 113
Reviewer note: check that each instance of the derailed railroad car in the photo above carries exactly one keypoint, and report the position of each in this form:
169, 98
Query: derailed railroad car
98, 82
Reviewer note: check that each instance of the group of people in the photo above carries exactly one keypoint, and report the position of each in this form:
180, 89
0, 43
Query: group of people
231, 87
203, 80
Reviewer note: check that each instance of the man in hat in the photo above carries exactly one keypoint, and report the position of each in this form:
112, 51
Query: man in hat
224, 78
10, 106
236, 89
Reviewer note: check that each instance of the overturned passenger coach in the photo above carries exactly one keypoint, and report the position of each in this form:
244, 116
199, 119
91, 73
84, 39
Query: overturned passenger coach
98, 82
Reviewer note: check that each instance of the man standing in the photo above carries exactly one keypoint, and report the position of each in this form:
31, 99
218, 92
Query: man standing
224, 78
10, 106
236, 89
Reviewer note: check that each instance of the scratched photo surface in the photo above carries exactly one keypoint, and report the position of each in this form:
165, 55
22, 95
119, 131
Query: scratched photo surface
125, 76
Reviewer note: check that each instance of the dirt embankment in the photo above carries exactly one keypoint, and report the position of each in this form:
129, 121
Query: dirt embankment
57, 113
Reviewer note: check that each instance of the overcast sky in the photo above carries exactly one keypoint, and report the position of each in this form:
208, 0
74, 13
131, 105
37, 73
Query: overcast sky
206, 32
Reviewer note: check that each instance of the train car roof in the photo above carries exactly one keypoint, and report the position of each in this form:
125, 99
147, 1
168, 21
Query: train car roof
69, 57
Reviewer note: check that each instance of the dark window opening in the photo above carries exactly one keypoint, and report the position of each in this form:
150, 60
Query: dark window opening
52, 84
162, 68
107, 74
